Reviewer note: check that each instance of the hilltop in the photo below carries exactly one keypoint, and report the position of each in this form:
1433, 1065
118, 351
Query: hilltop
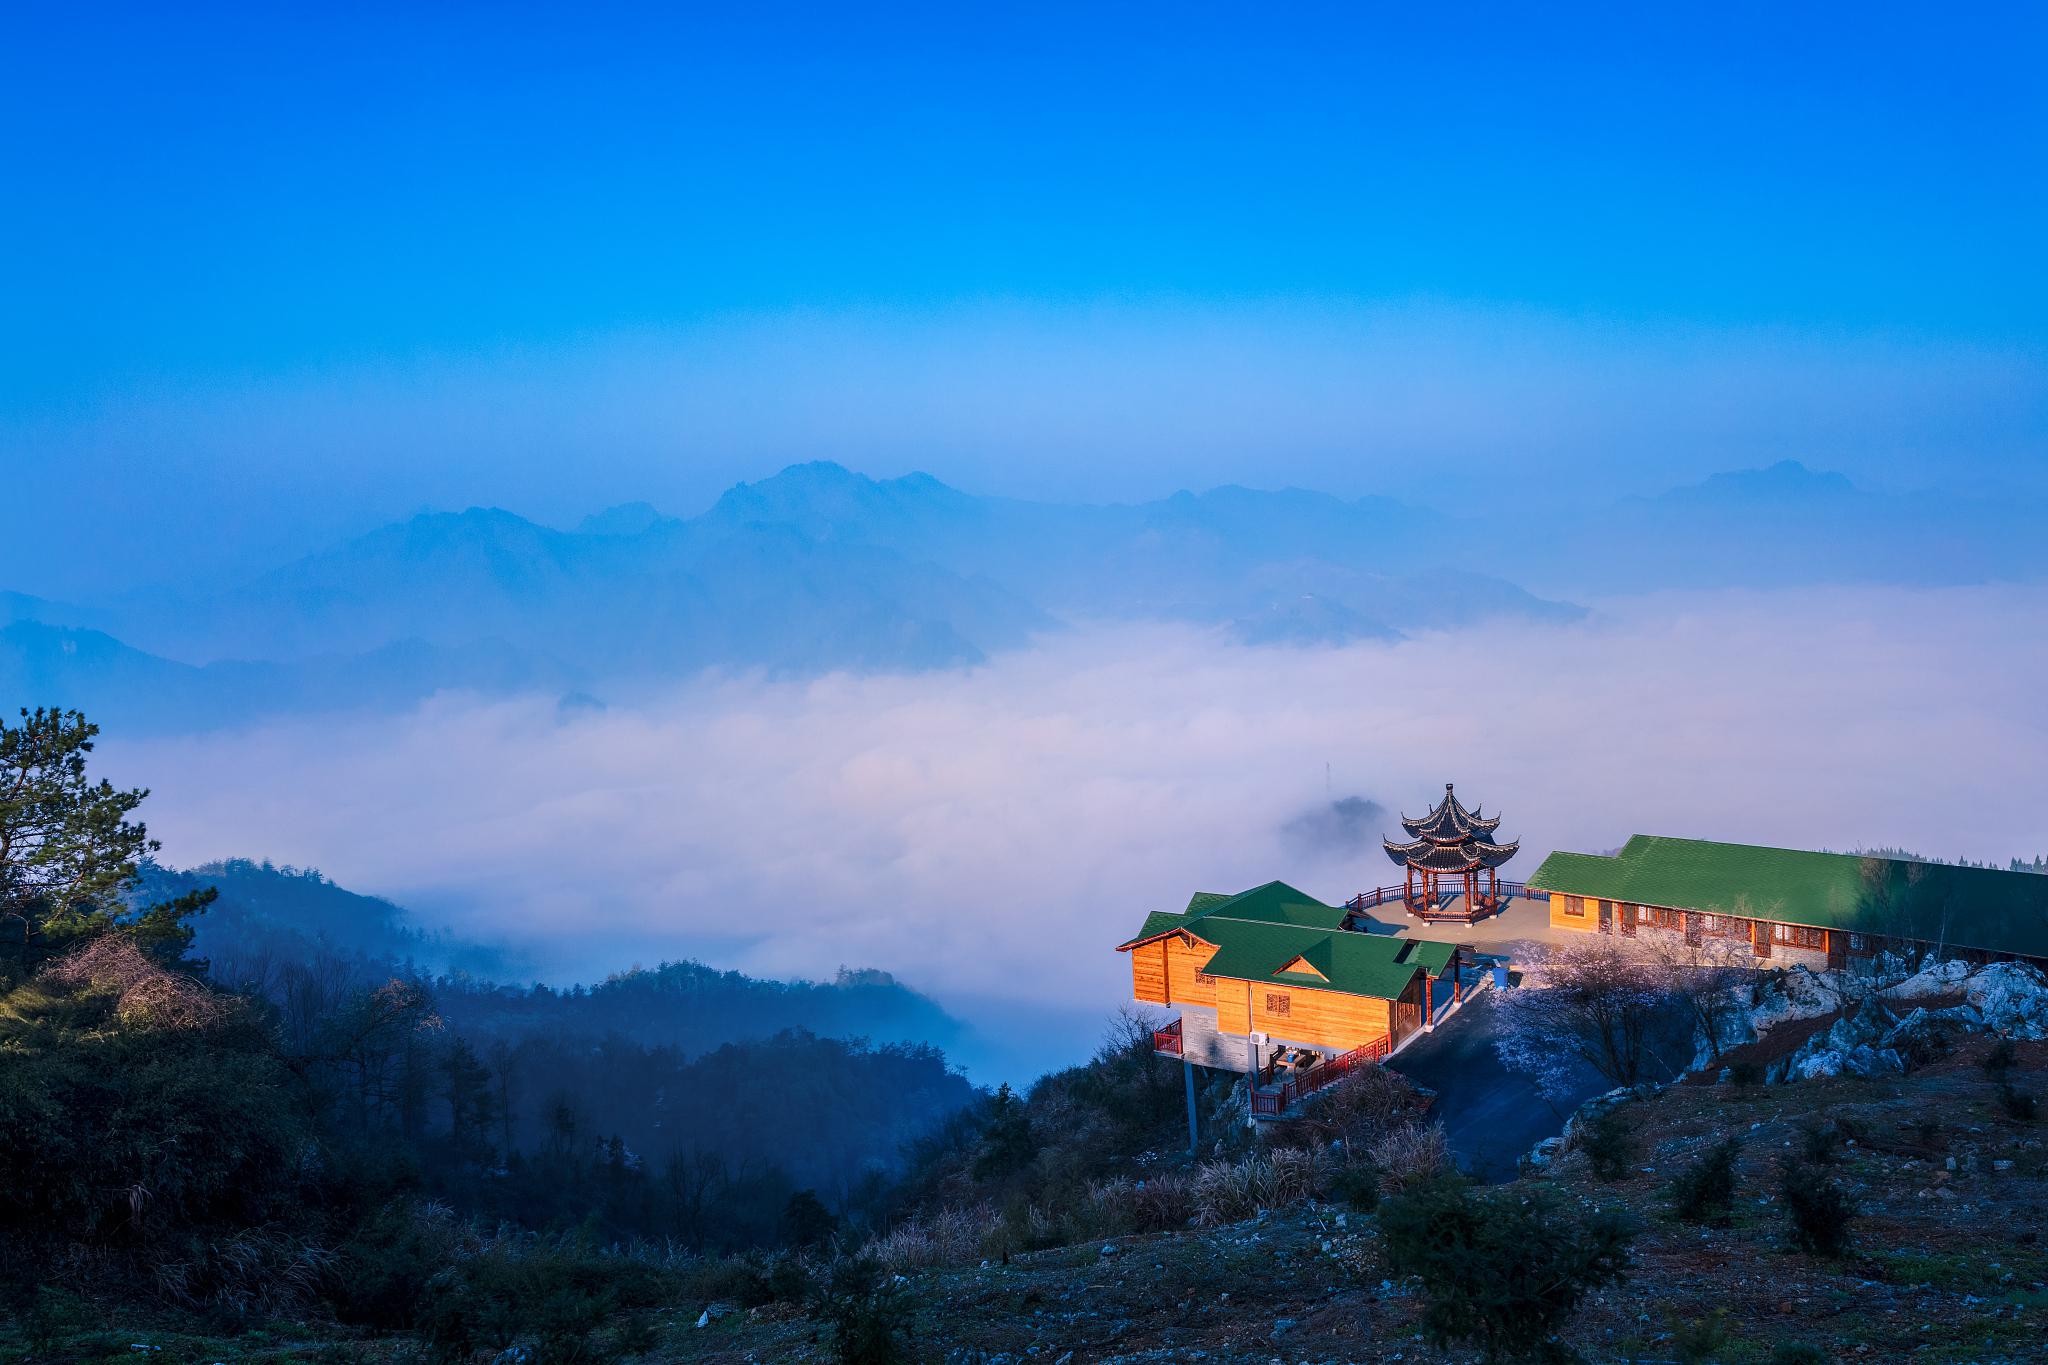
1948, 1264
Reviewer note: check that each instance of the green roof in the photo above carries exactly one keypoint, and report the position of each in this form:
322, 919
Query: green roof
1965, 907
1260, 931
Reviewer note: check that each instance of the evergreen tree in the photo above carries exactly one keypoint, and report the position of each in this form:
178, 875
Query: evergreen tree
68, 850
1006, 1141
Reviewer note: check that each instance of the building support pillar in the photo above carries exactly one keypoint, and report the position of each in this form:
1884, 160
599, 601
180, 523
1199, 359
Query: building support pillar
1187, 1071
1428, 1003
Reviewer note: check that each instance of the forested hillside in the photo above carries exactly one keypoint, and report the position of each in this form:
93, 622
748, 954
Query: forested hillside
314, 1089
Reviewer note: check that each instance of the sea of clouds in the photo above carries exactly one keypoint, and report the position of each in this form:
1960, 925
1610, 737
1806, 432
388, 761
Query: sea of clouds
990, 834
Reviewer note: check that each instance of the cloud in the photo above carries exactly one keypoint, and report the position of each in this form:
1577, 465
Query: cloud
990, 834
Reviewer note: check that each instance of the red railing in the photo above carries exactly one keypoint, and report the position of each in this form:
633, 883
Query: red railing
1168, 1039
1272, 1103
1381, 895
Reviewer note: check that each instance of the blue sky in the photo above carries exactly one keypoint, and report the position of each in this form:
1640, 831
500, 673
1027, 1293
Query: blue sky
274, 274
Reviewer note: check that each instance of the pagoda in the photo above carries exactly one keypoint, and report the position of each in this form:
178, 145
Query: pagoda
1453, 842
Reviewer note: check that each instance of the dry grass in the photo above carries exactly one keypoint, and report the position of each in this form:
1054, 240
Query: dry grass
1411, 1154
947, 1236
1155, 1204
1225, 1192
255, 1271
145, 994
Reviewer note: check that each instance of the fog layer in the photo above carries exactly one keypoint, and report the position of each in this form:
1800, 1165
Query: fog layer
990, 834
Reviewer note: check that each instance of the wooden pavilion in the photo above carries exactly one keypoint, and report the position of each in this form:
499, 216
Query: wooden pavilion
1451, 842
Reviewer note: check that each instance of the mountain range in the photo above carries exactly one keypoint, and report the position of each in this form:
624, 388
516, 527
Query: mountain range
821, 568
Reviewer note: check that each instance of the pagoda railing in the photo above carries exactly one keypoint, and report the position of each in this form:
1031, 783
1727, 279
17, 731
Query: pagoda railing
1278, 1100
1167, 1040
1392, 895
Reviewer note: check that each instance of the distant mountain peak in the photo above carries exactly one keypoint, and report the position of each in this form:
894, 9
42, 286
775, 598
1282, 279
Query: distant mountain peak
626, 519
826, 500
1785, 480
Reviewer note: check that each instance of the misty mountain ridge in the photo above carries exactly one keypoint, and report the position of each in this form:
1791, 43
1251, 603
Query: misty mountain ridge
269, 920
820, 568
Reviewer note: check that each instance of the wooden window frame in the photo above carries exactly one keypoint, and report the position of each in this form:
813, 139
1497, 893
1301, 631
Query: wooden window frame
1204, 979
1798, 936
1575, 907
1280, 1003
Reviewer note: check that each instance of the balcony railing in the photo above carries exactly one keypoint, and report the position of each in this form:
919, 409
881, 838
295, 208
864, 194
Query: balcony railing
1167, 1040
1386, 895
1268, 1104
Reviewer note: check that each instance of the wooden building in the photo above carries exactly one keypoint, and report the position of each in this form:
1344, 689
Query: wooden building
1779, 906
1273, 971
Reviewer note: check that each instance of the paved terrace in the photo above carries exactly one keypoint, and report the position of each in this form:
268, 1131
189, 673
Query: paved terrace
1524, 923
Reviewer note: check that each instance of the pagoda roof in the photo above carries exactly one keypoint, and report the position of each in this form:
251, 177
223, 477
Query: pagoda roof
1981, 908
1430, 856
1449, 821
1259, 932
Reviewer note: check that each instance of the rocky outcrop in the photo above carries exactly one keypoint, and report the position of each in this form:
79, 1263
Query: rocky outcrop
2013, 998
1870, 1038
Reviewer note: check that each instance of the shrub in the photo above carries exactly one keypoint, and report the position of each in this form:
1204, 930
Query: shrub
1798, 1353
2015, 1102
557, 1304
1608, 1142
1704, 1191
1357, 1185
866, 1312
751, 1279
1817, 1142
1820, 1211
2001, 1057
1410, 1155
1503, 1272
806, 1222
1365, 1106
1701, 1341
381, 1272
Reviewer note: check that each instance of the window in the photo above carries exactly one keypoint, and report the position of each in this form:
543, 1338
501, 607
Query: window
1278, 1004
1204, 979
1798, 936
1575, 906
1666, 919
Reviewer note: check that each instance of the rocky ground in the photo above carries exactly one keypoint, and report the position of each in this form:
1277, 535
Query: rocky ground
1949, 1263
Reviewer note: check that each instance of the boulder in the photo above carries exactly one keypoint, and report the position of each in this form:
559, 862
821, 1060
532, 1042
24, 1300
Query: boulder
2012, 997
1543, 1154
1927, 1034
1736, 1026
1799, 993
1860, 1027
1814, 1063
1937, 978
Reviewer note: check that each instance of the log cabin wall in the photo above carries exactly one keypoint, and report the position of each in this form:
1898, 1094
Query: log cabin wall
1302, 1014
1185, 983
1148, 973
1574, 912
